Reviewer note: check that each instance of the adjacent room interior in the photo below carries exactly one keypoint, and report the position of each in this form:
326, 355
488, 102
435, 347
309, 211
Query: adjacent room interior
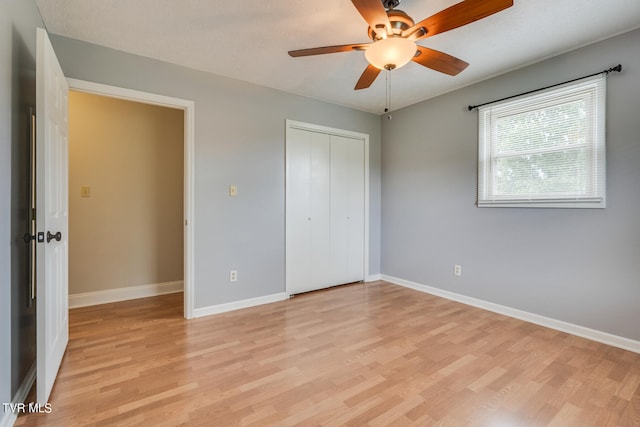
126, 198
461, 307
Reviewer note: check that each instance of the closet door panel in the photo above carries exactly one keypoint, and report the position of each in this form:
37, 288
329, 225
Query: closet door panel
297, 212
320, 211
339, 209
355, 208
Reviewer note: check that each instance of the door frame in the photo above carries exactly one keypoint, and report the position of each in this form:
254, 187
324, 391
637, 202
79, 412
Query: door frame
292, 124
189, 141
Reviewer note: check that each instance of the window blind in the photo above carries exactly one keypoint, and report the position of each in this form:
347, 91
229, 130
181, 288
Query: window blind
546, 149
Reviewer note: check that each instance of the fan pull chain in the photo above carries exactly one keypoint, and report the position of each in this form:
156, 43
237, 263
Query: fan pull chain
388, 99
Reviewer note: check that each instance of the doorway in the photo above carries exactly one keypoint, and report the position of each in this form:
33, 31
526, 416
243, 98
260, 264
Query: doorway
118, 202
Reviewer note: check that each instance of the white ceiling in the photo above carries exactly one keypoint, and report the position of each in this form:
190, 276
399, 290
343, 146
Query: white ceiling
249, 40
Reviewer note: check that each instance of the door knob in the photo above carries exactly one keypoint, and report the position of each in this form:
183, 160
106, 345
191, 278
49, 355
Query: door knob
57, 237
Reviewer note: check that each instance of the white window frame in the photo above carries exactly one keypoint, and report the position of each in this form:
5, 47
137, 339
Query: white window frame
593, 89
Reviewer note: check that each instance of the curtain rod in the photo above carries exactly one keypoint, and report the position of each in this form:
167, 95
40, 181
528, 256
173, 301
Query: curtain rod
617, 68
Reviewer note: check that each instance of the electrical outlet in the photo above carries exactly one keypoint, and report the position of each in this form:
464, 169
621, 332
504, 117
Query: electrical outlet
457, 270
233, 275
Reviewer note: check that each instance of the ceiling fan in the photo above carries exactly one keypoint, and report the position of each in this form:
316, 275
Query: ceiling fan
394, 35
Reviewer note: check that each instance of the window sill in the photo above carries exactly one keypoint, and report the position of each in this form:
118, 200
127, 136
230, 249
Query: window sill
593, 203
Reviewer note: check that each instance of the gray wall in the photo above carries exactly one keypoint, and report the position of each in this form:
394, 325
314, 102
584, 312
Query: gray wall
18, 22
239, 139
577, 265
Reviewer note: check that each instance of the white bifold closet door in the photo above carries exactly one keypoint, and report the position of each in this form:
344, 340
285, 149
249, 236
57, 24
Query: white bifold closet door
325, 210
347, 209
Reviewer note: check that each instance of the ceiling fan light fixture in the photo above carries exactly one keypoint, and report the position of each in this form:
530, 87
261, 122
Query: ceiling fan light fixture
390, 53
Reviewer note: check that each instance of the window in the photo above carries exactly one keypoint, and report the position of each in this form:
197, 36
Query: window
545, 149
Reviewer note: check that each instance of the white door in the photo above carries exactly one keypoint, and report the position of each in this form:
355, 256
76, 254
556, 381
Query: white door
308, 211
325, 208
339, 209
347, 209
319, 211
52, 325
297, 211
355, 210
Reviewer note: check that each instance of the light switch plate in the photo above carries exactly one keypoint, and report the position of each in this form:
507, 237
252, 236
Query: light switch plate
233, 190
85, 191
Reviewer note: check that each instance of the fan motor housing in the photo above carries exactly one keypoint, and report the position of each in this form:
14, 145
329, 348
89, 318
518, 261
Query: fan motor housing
390, 4
399, 20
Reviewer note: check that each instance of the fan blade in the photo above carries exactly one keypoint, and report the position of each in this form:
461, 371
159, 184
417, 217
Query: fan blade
439, 61
374, 13
459, 14
367, 77
328, 49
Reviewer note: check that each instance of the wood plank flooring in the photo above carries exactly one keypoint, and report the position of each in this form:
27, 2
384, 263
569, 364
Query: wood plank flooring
375, 354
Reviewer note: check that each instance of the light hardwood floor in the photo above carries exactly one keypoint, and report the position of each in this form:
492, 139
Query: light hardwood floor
375, 354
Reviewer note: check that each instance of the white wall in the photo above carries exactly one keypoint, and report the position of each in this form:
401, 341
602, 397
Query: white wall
129, 232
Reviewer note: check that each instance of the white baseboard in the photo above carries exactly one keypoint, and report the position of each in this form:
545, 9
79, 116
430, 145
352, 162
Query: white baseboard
559, 325
237, 305
372, 278
9, 418
123, 294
